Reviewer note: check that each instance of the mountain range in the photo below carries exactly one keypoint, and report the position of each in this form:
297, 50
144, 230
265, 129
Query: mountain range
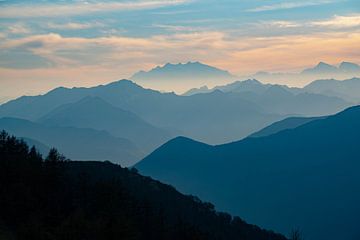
298, 174
347, 89
175, 76
345, 70
324, 68
274, 154
281, 99
95, 113
146, 118
186, 72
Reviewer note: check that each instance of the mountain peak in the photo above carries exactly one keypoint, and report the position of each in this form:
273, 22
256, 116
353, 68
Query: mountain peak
325, 65
321, 68
349, 67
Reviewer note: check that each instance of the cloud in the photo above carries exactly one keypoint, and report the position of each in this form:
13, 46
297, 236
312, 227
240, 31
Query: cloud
103, 59
239, 54
18, 28
73, 25
178, 28
289, 5
281, 24
71, 51
339, 22
80, 8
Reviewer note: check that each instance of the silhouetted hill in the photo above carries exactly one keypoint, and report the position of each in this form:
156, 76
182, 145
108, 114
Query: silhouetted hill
95, 113
298, 175
59, 199
77, 143
346, 89
287, 123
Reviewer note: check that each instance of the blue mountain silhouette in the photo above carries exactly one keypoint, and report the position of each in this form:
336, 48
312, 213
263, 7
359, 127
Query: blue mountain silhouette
298, 175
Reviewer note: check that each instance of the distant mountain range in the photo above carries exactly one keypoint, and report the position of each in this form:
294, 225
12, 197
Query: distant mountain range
178, 76
147, 118
348, 89
185, 72
193, 116
298, 174
281, 99
322, 70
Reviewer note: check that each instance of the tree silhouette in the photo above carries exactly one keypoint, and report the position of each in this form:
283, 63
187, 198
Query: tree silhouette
54, 198
296, 235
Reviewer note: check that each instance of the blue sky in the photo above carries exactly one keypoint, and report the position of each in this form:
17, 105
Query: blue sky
74, 42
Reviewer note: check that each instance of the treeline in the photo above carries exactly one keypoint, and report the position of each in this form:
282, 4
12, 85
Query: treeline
54, 198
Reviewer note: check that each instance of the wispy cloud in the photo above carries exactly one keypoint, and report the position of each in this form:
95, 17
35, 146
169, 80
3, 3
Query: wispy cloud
18, 28
175, 12
178, 28
213, 47
339, 22
80, 8
100, 59
289, 5
281, 24
73, 25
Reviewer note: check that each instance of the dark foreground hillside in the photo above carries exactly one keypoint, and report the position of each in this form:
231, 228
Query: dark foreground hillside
59, 199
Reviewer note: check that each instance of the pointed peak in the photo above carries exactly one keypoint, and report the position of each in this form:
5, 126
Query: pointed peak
349, 66
324, 64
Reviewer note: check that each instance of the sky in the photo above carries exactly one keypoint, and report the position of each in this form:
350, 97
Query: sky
44, 44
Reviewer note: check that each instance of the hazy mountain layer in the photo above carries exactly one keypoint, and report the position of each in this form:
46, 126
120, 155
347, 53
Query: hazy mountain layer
299, 175
215, 117
93, 112
281, 99
77, 143
287, 123
346, 89
344, 70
